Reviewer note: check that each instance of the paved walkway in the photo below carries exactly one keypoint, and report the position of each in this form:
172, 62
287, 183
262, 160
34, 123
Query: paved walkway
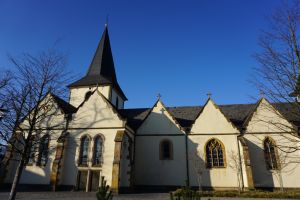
92, 196
81, 195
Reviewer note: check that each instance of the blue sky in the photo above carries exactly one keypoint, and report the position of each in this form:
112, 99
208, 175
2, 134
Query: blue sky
182, 49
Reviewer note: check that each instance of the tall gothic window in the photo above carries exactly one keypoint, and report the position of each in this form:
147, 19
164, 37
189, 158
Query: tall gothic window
43, 151
31, 151
166, 150
84, 149
31, 154
270, 154
214, 154
98, 149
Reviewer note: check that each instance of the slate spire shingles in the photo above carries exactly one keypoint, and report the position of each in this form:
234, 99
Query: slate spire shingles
101, 70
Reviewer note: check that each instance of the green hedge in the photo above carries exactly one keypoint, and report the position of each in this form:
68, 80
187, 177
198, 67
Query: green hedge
187, 194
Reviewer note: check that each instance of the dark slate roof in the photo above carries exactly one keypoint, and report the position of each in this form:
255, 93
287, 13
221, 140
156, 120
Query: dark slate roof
134, 116
290, 111
186, 115
65, 106
101, 70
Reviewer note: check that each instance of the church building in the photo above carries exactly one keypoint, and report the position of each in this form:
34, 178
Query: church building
159, 148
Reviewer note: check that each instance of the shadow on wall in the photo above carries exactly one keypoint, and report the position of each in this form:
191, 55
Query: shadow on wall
197, 167
164, 175
36, 178
69, 175
262, 177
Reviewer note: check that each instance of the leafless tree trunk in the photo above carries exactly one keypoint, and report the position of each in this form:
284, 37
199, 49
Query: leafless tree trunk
235, 164
277, 75
30, 104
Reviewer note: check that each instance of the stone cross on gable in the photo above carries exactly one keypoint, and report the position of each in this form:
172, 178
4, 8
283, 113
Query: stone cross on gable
158, 96
262, 94
162, 110
209, 94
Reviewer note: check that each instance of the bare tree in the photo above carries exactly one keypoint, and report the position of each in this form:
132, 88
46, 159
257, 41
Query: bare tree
30, 103
277, 75
198, 164
286, 164
5, 79
235, 163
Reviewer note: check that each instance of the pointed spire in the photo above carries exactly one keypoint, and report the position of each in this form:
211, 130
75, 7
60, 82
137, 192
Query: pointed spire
101, 70
102, 63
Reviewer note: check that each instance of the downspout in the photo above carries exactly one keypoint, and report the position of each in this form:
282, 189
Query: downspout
240, 159
187, 160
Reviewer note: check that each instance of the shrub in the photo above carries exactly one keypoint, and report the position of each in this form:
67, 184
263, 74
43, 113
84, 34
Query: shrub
104, 192
185, 193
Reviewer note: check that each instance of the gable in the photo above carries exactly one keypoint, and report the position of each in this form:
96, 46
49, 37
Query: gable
96, 112
159, 121
266, 118
212, 120
50, 114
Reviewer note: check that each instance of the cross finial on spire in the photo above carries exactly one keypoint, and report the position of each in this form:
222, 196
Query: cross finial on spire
209, 94
106, 20
261, 94
158, 96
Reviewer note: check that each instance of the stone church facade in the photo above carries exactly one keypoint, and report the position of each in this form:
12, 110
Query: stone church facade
214, 146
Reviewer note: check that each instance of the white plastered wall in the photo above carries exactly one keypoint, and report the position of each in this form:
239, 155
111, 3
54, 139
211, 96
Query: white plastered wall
149, 169
212, 120
267, 122
96, 113
114, 97
94, 117
70, 163
77, 95
33, 174
210, 124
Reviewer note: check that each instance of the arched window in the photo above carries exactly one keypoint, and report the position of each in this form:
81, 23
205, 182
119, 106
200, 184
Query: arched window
166, 150
98, 149
214, 154
270, 153
31, 151
84, 149
43, 151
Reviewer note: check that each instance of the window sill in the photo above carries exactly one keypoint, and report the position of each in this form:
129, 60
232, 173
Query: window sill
223, 167
99, 165
81, 165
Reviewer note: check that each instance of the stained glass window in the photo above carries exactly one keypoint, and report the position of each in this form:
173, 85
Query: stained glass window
98, 144
214, 154
270, 154
43, 151
84, 148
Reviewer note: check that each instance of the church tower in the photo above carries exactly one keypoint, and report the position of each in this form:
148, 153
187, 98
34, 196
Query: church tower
101, 74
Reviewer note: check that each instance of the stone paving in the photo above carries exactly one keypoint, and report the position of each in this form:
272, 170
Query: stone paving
81, 195
92, 196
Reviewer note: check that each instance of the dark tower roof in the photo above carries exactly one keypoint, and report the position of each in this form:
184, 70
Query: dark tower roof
102, 69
